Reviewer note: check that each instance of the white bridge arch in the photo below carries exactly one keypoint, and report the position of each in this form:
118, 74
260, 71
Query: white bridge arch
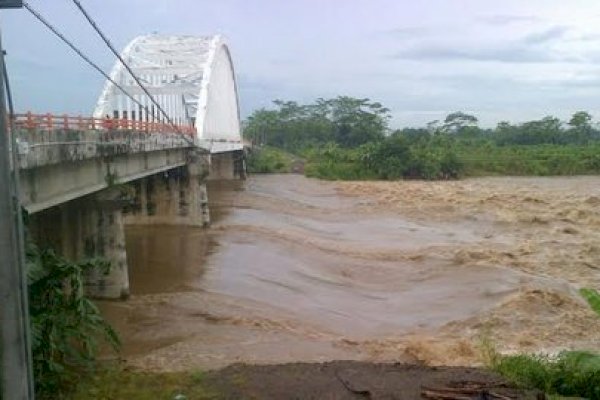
191, 77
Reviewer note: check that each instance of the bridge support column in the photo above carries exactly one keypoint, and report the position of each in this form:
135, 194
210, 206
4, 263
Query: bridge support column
204, 204
197, 172
87, 228
105, 238
228, 166
178, 196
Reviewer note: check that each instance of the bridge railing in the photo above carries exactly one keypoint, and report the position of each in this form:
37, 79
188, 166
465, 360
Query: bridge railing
50, 122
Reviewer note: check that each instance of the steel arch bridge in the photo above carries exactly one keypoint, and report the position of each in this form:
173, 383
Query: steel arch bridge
191, 77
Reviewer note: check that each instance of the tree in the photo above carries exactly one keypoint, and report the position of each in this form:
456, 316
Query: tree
581, 119
433, 126
357, 121
261, 126
581, 127
345, 120
457, 121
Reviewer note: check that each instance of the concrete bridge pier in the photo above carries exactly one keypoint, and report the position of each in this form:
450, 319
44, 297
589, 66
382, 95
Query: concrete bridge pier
88, 228
228, 165
93, 226
107, 240
175, 197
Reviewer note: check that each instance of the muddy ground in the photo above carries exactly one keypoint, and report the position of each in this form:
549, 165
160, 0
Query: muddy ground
359, 380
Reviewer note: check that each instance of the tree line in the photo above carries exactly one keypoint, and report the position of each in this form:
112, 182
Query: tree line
350, 138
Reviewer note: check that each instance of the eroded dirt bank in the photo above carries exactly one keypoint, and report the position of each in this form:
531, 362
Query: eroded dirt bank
302, 270
343, 380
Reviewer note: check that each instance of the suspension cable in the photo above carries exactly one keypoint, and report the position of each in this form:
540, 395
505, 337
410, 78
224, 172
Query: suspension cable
95, 66
80, 53
120, 58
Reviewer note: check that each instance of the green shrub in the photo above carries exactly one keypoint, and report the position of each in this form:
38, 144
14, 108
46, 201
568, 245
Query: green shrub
269, 160
395, 157
570, 373
65, 324
540, 160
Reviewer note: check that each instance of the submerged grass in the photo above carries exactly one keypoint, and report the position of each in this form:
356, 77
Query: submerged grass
593, 298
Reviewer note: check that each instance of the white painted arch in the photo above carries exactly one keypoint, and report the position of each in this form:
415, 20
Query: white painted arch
191, 77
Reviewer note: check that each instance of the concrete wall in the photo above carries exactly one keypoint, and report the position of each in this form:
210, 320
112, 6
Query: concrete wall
227, 166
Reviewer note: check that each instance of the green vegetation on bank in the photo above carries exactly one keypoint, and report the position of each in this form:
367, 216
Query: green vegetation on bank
570, 373
66, 326
268, 159
119, 383
393, 157
348, 138
540, 160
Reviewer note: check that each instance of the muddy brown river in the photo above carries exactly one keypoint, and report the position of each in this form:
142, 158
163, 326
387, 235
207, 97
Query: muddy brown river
295, 269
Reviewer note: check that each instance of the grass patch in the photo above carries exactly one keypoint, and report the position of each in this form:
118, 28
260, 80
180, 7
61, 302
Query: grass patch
593, 298
119, 383
269, 160
570, 373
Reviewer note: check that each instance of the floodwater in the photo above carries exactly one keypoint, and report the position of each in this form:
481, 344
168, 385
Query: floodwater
295, 269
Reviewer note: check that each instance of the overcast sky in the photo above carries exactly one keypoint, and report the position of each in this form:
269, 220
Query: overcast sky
501, 60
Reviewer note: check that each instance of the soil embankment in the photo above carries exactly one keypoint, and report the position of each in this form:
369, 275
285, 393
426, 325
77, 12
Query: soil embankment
350, 380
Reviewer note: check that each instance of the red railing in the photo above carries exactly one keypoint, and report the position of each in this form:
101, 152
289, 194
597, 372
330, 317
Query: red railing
51, 122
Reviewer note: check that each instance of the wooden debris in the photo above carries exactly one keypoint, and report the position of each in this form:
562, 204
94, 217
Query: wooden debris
471, 392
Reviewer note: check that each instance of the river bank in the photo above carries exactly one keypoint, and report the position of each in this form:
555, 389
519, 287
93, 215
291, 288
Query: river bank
338, 380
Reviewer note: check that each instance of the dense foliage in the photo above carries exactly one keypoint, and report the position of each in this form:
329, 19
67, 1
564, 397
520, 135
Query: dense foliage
393, 157
347, 138
344, 120
268, 159
570, 373
65, 324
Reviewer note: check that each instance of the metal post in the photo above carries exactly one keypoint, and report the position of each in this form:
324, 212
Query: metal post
14, 322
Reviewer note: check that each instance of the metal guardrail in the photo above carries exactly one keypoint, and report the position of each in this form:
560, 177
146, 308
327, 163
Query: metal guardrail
50, 122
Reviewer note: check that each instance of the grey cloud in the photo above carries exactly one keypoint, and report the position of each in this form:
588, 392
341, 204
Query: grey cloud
408, 31
576, 82
590, 37
508, 54
548, 35
529, 49
507, 19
